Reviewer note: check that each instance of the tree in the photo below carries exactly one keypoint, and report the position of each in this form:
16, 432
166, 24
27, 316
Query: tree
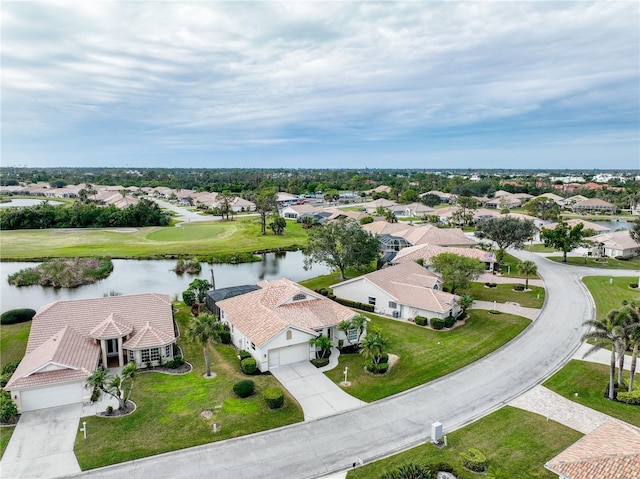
359, 323
634, 231
430, 200
204, 330
506, 232
544, 208
307, 221
528, 268
408, 196
630, 315
322, 345
117, 386
563, 237
224, 203
266, 202
465, 301
457, 271
199, 287
345, 326
606, 333
464, 214
341, 244
372, 347
277, 225
390, 216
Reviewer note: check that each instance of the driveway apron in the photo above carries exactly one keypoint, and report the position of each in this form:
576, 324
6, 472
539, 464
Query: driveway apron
42, 444
318, 395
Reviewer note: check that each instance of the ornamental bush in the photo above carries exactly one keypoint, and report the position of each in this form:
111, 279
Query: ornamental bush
244, 354
244, 388
248, 365
437, 323
15, 316
274, 397
632, 397
320, 363
421, 320
8, 409
409, 471
449, 322
11, 367
474, 460
175, 363
519, 287
379, 368
384, 358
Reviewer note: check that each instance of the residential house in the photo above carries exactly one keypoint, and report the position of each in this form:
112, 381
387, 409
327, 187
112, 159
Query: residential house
426, 252
69, 339
286, 199
216, 295
501, 202
446, 198
594, 205
586, 225
572, 200
611, 451
557, 199
276, 322
402, 291
415, 210
293, 212
612, 244
373, 206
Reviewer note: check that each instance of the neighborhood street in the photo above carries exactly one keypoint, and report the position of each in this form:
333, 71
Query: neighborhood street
317, 448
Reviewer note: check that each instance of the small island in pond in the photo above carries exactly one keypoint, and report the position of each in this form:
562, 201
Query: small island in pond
64, 272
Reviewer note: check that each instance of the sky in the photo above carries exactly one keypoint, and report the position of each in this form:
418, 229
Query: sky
509, 84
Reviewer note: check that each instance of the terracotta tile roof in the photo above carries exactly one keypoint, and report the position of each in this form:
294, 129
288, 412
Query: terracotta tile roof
588, 225
264, 313
382, 227
612, 451
149, 337
593, 202
64, 351
428, 251
112, 327
434, 235
616, 240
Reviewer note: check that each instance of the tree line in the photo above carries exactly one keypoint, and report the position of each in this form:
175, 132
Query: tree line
82, 215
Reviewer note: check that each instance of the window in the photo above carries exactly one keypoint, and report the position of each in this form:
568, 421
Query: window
167, 351
352, 335
253, 346
299, 297
145, 356
154, 354
393, 305
131, 355
289, 334
372, 300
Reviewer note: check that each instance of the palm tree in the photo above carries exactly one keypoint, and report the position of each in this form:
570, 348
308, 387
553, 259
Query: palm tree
632, 330
345, 326
372, 347
606, 333
528, 268
465, 301
115, 385
322, 345
204, 329
359, 323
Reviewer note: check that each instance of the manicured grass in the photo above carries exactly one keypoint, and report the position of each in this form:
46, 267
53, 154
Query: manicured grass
509, 268
205, 239
538, 248
168, 415
589, 381
13, 341
611, 263
425, 354
609, 295
5, 436
517, 442
330, 279
504, 292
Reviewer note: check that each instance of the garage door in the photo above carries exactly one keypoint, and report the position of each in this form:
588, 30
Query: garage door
287, 355
52, 396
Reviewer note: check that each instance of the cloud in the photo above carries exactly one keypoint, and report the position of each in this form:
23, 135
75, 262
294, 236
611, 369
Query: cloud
236, 75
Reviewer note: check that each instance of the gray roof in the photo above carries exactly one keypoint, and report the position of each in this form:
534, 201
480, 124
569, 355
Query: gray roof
224, 293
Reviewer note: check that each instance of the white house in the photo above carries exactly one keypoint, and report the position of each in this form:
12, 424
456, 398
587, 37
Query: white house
275, 323
403, 291
617, 243
69, 339
426, 252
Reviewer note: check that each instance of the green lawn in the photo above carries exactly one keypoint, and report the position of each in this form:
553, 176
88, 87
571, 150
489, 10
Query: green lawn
538, 248
611, 263
425, 354
504, 292
168, 415
216, 238
516, 441
609, 295
13, 341
5, 436
589, 381
509, 268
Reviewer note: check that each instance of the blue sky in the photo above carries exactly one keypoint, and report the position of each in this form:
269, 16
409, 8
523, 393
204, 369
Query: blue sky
321, 84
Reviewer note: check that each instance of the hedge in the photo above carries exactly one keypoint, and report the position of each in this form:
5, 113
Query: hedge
244, 388
449, 322
320, 363
632, 397
474, 460
244, 354
354, 304
518, 287
421, 320
274, 397
437, 323
379, 368
8, 409
248, 365
15, 316
175, 363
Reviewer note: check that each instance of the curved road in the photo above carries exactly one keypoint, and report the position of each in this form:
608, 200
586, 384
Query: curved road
317, 448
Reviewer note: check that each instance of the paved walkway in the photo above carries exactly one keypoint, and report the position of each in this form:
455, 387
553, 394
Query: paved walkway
317, 394
602, 356
510, 308
496, 278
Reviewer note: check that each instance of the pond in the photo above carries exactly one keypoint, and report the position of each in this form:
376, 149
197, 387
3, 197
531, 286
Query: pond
28, 202
155, 276
615, 225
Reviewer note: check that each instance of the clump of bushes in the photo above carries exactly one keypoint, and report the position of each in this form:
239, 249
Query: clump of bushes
437, 323
175, 363
421, 320
474, 460
243, 354
274, 397
626, 257
64, 272
518, 287
15, 316
225, 334
244, 388
632, 397
449, 322
8, 409
354, 304
320, 363
380, 368
7, 372
191, 266
490, 285
248, 365
409, 470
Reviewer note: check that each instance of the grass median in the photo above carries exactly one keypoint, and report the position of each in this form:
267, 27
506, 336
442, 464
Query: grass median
426, 354
609, 292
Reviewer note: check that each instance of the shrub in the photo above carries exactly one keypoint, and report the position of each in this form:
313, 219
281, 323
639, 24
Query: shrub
366, 220
368, 307
189, 297
109, 410
8, 409
490, 285
15, 316
323, 291
244, 354
633, 285
320, 363
10, 367
244, 388
225, 336
474, 460
437, 323
175, 363
248, 365
632, 397
274, 397
384, 358
421, 320
379, 368
625, 257
519, 287
95, 394
449, 322
409, 471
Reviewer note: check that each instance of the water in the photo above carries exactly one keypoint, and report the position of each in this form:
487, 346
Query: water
149, 276
28, 202
615, 225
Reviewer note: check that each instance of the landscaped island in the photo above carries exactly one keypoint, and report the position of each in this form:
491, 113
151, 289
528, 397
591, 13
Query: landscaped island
64, 272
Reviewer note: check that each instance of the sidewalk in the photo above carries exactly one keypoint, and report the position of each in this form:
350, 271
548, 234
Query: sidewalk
496, 278
509, 308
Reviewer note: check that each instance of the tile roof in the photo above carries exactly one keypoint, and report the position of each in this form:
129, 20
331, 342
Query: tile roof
148, 337
428, 251
616, 240
434, 235
263, 314
112, 327
611, 451
588, 225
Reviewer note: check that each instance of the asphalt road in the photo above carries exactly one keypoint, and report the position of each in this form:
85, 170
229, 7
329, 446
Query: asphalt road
317, 448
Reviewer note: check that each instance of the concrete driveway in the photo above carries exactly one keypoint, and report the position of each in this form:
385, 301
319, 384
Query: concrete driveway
42, 444
317, 394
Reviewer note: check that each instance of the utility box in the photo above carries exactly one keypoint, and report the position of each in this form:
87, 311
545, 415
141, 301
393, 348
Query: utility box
436, 432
